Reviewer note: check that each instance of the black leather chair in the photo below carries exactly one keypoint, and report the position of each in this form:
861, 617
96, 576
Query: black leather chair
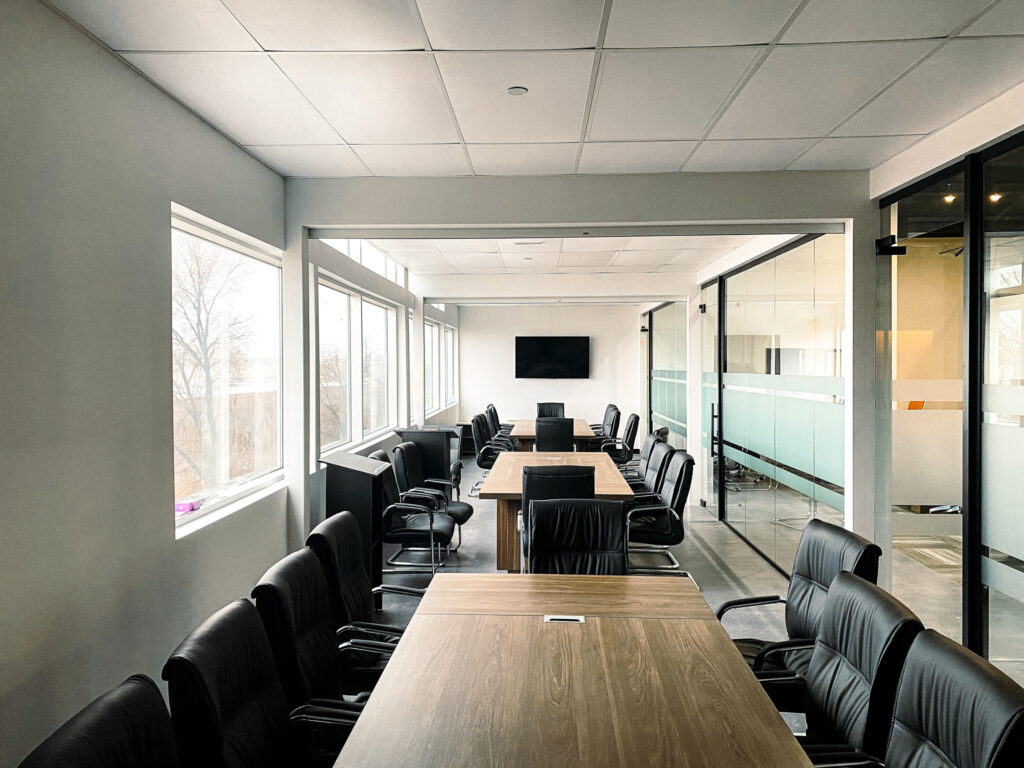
486, 451
412, 479
650, 482
495, 423
849, 689
496, 436
621, 449
581, 536
637, 467
607, 413
609, 428
659, 525
554, 434
229, 709
127, 727
954, 710
823, 552
555, 482
292, 600
555, 410
415, 522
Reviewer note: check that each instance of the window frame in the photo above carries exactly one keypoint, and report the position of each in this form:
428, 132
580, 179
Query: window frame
438, 405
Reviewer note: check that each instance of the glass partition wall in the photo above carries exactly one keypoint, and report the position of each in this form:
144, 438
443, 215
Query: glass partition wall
668, 328
775, 434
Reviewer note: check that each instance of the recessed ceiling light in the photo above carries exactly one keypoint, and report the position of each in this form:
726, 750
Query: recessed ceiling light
949, 198
517, 90
995, 197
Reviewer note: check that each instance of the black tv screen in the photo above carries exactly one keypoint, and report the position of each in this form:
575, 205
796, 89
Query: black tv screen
552, 357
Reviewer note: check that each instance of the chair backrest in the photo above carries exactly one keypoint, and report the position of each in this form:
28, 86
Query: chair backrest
608, 412
657, 462
610, 425
480, 441
675, 485
558, 482
582, 536
645, 450
554, 434
493, 422
338, 546
856, 663
408, 466
823, 552
292, 601
227, 704
127, 727
389, 484
550, 409
953, 708
629, 431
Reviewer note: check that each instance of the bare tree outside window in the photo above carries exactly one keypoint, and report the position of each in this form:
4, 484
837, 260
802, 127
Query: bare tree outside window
335, 397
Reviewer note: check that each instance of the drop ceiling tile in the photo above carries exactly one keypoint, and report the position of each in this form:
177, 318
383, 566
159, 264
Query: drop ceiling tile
552, 110
593, 243
530, 245
677, 268
423, 259
1007, 18
530, 260
522, 159
663, 94
855, 153
312, 160
402, 245
636, 268
436, 270
160, 25
637, 258
414, 159
960, 77
467, 244
325, 25
803, 91
719, 241
459, 259
482, 270
694, 258
581, 259
522, 25
595, 270
530, 270
840, 20
242, 94
634, 156
375, 98
746, 155
658, 243
691, 23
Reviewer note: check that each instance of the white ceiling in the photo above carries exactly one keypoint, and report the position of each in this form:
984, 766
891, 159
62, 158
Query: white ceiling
417, 87
580, 254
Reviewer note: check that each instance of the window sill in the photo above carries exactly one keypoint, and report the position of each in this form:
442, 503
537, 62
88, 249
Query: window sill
260, 489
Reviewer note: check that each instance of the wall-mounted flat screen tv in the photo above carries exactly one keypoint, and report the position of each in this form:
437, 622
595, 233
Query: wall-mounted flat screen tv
552, 357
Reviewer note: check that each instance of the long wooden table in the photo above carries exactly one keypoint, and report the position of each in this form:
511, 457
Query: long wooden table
505, 484
525, 433
489, 688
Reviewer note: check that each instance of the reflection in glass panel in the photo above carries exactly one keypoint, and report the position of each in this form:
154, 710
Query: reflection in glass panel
335, 398
1002, 402
668, 371
375, 367
927, 289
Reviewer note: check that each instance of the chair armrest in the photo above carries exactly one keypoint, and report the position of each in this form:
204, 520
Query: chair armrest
408, 508
639, 498
417, 497
394, 589
658, 510
437, 481
772, 649
661, 572
787, 691
338, 713
375, 646
746, 602
355, 632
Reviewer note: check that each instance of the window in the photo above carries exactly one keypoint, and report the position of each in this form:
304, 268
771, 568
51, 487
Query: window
376, 364
449, 366
335, 376
370, 256
226, 368
431, 368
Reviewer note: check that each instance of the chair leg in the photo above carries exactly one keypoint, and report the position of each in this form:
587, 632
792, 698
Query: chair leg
654, 549
435, 561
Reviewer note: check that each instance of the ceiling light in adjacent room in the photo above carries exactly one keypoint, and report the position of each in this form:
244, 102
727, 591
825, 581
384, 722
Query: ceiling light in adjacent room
995, 197
950, 197
517, 90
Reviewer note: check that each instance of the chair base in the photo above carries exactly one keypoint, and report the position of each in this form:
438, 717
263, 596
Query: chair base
655, 549
417, 567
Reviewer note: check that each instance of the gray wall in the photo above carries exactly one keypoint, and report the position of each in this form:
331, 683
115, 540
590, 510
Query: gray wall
94, 585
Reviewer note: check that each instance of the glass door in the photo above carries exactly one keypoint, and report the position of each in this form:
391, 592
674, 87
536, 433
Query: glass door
668, 330
709, 402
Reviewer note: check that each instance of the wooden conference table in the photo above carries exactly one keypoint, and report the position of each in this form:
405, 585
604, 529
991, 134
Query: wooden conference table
505, 483
649, 678
525, 432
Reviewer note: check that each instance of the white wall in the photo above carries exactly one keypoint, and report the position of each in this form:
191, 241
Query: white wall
94, 586
487, 349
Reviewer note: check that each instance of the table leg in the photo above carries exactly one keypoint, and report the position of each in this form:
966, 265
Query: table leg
508, 535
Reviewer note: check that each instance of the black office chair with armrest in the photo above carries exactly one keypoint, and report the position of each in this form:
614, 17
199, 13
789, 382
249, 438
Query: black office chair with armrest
649, 484
551, 410
228, 706
554, 434
495, 423
552, 482
579, 536
127, 727
849, 689
953, 710
621, 449
412, 479
415, 522
495, 436
823, 552
635, 468
609, 428
659, 525
486, 451
607, 414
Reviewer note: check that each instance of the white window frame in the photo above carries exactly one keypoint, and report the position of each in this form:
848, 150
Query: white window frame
454, 351
433, 408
